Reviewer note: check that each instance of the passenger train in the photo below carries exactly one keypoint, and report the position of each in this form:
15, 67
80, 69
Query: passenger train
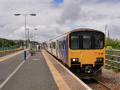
82, 49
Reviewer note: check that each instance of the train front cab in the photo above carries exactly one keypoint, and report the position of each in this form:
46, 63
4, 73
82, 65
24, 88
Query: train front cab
86, 50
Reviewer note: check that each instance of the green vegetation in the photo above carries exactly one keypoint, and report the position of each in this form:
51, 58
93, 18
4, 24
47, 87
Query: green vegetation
9, 43
20, 43
115, 45
116, 69
6, 43
107, 67
111, 57
113, 42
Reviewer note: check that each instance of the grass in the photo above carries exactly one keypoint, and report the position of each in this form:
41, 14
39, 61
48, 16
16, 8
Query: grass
108, 67
116, 69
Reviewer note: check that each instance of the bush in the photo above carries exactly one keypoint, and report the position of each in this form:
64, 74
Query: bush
112, 42
116, 69
108, 67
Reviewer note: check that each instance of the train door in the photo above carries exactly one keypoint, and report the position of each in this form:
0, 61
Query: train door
51, 48
57, 47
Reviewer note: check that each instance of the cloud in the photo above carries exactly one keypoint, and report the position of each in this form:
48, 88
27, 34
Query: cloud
72, 11
53, 20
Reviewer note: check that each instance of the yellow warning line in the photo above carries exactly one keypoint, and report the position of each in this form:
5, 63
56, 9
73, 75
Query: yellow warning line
58, 78
9, 56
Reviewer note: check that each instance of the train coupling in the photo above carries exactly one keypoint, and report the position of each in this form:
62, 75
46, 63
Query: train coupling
88, 69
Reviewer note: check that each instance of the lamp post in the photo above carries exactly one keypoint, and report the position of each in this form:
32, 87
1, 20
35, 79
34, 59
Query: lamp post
106, 29
25, 15
36, 39
35, 30
28, 38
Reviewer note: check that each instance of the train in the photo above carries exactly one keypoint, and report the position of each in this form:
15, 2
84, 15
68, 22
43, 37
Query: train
82, 49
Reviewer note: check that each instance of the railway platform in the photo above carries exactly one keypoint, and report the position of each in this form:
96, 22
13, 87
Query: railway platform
40, 72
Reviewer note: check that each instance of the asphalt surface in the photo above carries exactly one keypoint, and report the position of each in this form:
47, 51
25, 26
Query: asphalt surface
33, 75
9, 65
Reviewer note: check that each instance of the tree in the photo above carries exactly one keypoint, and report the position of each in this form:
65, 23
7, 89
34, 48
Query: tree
113, 42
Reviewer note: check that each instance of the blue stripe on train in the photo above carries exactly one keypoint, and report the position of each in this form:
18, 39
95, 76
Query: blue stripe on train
66, 50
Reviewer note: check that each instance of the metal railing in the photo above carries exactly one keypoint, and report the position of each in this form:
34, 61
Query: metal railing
113, 59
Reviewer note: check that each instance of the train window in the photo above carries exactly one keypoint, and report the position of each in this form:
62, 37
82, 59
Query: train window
99, 41
86, 42
50, 45
74, 42
60, 46
53, 45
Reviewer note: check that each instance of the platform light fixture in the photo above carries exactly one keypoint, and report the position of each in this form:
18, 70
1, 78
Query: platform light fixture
25, 15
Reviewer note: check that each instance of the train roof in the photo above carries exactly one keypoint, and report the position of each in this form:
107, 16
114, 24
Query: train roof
76, 30
85, 29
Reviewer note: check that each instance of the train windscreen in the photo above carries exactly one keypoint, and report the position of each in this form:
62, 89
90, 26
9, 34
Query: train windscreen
87, 40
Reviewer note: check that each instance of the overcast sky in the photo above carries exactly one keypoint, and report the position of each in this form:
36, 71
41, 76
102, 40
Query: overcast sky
55, 17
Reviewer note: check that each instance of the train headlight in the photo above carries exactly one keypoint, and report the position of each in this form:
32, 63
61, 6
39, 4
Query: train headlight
74, 59
99, 59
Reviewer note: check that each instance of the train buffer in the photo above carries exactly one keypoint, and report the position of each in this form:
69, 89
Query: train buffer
42, 72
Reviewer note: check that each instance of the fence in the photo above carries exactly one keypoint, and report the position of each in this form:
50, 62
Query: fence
113, 59
8, 48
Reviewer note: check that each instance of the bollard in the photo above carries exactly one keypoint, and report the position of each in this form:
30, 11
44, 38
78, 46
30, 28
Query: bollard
24, 55
31, 52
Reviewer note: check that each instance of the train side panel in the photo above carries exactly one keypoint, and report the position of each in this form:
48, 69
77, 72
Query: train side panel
48, 47
66, 50
53, 42
59, 48
63, 49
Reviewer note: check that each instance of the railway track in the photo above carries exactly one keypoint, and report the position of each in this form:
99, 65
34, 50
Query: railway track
113, 85
93, 83
105, 87
97, 83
